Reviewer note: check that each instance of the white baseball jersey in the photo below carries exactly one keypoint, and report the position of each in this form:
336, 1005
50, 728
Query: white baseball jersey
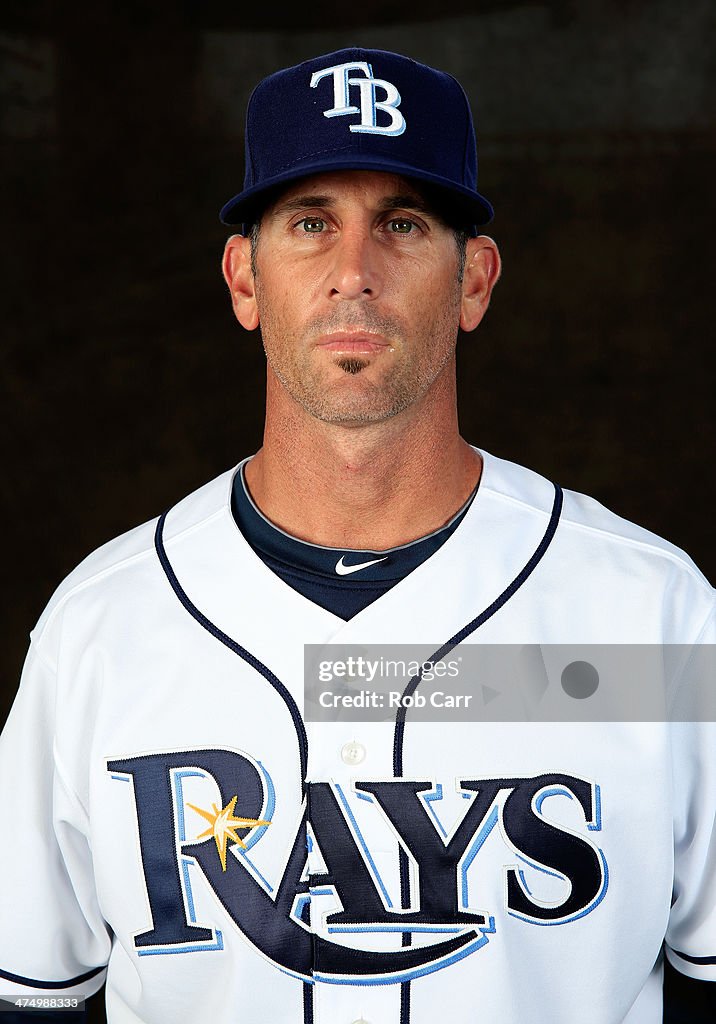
171, 821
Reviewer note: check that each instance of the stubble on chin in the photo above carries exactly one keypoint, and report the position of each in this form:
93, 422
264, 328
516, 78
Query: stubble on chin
337, 403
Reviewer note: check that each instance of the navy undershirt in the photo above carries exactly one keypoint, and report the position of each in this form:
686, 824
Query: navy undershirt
315, 571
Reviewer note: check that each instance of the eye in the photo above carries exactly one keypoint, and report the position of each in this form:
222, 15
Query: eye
312, 225
401, 225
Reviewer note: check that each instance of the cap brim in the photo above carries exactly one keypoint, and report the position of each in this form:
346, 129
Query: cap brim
462, 206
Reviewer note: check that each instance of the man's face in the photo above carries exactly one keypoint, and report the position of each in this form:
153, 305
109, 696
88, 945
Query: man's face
358, 295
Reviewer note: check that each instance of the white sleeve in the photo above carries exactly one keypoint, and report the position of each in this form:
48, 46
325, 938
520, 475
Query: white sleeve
691, 933
53, 939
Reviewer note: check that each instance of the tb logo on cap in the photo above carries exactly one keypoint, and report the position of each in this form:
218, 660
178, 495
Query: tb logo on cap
369, 104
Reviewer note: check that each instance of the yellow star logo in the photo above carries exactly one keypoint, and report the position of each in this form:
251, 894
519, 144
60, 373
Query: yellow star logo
223, 826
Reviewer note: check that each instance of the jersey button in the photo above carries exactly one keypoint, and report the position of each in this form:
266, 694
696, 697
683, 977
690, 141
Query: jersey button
361, 1020
353, 753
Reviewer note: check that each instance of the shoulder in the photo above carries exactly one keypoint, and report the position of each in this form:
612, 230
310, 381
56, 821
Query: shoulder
595, 544
128, 563
579, 514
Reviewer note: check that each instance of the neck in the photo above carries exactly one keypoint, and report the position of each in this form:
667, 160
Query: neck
371, 486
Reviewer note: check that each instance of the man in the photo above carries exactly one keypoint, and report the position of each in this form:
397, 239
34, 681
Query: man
172, 813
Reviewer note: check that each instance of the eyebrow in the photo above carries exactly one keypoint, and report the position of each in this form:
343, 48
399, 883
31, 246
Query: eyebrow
303, 203
404, 202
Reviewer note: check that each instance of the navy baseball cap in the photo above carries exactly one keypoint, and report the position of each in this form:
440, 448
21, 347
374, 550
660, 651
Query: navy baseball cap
359, 109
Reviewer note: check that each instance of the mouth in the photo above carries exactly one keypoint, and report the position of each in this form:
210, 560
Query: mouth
353, 343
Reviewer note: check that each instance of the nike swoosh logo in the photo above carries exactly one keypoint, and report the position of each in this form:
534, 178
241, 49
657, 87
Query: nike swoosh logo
346, 570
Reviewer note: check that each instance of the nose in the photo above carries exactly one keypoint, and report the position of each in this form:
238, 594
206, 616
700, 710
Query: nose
355, 266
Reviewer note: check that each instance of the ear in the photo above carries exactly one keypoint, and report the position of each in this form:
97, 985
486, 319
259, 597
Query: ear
236, 266
482, 271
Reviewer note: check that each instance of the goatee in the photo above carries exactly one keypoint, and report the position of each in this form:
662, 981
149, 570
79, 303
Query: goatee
349, 365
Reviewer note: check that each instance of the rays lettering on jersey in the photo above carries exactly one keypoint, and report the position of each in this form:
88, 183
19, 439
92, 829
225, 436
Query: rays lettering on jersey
328, 858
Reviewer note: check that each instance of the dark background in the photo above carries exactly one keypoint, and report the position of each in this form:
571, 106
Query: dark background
126, 380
